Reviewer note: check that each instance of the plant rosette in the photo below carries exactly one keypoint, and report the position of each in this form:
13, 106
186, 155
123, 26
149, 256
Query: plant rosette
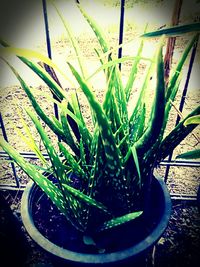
103, 171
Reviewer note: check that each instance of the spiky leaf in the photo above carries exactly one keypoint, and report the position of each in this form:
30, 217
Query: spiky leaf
194, 154
192, 120
86, 199
175, 30
120, 220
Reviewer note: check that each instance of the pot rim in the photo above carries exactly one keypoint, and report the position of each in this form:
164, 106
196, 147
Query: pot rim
111, 257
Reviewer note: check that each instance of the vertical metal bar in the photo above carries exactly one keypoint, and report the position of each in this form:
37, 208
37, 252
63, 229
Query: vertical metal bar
6, 138
48, 41
183, 98
47, 29
121, 30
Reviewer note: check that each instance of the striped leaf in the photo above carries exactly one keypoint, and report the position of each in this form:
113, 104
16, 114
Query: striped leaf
25, 55
138, 125
66, 129
29, 140
111, 150
73, 41
37, 107
133, 72
86, 199
97, 30
59, 170
120, 220
70, 160
82, 127
144, 87
174, 31
55, 160
47, 186
157, 114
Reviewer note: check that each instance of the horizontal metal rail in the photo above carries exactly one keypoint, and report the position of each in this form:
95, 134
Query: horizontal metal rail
12, 187
177, 163
190, 199
26, 155
180, 163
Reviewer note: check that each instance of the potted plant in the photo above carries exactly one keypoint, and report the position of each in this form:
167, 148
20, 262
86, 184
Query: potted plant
110, 207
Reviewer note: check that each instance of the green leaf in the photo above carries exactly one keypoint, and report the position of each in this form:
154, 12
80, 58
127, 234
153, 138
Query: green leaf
37, 107
192, 120
174, 31
121, 98
76, 168
174, 138
59, 170
178, 70
100, 58
109, 92
115, 62
29, 140
120, 220
86, 199
56, 163
137, 126
111, 150
66, 129
97, 30
135, 157
83, 155
144, 87
29, 54
65, 204
31, 144
86, 136
133, 72
194, 154
157, 114
43, 74
73, 40
55, 160
66, 111
47, 186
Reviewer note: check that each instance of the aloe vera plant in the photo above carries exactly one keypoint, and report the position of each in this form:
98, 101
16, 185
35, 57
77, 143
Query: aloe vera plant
114, 161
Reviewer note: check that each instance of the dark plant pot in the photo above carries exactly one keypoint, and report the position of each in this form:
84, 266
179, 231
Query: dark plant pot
134, 241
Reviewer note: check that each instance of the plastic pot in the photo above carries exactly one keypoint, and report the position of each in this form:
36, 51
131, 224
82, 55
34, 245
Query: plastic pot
131, 254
